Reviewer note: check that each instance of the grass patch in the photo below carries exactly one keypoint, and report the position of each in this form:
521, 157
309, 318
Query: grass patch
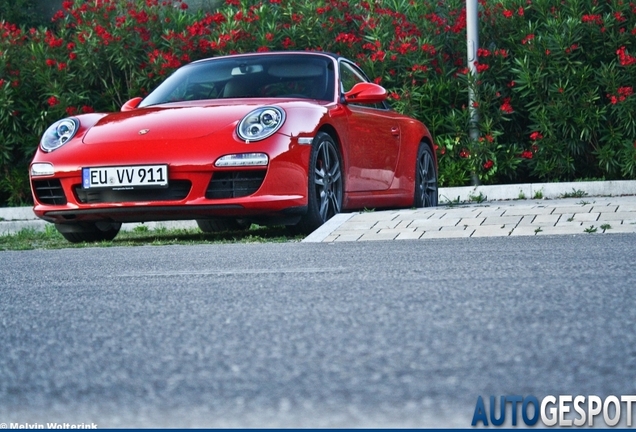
479, 198
576, 193
29, 239
451, 203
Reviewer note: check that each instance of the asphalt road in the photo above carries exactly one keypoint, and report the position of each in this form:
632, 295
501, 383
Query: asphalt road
360, 334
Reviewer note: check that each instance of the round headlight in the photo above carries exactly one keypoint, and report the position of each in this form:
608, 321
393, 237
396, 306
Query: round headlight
260, 123
59, 133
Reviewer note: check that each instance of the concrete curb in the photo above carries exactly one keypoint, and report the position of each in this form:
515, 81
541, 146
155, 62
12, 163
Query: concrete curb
536, 190
332, 224
14, 219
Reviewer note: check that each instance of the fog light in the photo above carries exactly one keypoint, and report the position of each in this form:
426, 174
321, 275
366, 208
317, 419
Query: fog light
242, 159
42, 169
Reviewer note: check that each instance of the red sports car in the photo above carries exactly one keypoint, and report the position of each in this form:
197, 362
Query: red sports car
273, 138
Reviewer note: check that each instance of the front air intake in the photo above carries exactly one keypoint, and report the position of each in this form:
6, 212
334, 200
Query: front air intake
234, 184
176, 191
49, 192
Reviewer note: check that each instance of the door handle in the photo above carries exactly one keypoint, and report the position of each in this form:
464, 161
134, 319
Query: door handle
395, 131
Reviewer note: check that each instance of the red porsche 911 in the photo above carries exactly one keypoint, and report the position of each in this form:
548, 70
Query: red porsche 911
286, 138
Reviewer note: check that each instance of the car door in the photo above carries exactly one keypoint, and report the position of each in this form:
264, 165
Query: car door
373, 138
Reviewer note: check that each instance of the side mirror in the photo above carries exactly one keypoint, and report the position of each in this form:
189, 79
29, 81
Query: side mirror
366, 93
131, 104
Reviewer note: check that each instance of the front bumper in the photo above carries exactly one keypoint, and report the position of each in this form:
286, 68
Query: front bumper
197, 189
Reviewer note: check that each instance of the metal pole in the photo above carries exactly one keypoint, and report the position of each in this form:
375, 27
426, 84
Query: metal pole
472, 41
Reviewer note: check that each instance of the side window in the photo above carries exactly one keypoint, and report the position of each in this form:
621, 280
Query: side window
349, 77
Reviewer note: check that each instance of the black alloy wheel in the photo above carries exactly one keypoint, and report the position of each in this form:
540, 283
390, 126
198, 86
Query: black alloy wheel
425, 178
218, 225
325, 184
89, 231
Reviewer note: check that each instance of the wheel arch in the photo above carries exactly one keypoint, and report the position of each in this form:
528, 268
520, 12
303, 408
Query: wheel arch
329, 129
333, 133
428, 140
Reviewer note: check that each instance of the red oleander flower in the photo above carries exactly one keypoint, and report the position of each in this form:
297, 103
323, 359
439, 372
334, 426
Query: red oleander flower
347, 38
481, 67
87, 109
591, 18
535, 136
624, 58
464, 154
489, 164
52, 41
378, 55
481, 52
287, 42
527, 39
622, 94
506, 107
50, 62
527, 154
428, 48
507, 13
71, 110
52, 101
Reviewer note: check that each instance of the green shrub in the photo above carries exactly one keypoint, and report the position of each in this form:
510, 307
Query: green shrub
21, 12
555, 95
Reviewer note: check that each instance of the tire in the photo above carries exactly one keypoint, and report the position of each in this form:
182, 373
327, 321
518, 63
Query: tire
218, 225
425, 178
325, 184
89, 231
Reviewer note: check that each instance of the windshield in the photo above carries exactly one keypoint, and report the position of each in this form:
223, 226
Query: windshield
269, 76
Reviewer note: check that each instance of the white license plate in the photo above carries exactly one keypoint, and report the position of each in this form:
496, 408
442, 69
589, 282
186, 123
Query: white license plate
125, 177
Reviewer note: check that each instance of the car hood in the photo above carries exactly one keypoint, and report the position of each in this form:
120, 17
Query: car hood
165, 123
